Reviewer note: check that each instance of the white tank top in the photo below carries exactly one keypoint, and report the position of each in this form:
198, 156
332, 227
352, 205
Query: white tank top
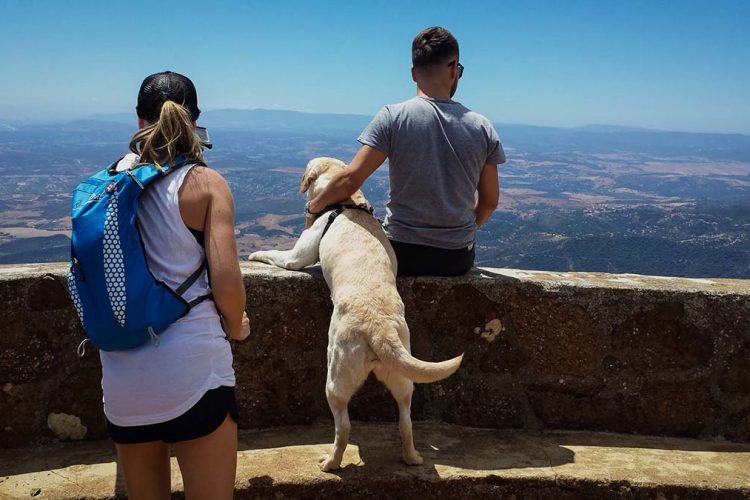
149, 385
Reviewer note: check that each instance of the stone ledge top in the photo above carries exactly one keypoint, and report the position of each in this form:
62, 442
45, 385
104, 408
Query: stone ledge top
460, 462
545, 279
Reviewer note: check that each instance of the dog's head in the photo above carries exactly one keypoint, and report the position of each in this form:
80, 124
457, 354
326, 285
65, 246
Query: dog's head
318, 174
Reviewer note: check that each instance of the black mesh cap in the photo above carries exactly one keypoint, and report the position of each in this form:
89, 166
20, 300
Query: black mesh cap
158, 88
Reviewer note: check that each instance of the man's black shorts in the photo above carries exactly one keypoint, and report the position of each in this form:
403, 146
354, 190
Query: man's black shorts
201, 420
423, 260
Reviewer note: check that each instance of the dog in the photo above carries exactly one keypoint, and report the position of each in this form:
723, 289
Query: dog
368, 331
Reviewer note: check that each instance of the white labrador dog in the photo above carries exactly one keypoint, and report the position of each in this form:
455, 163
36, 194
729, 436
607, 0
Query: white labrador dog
368, 331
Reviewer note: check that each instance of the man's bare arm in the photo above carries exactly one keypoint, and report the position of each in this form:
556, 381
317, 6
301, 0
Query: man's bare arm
489, 193
344, 184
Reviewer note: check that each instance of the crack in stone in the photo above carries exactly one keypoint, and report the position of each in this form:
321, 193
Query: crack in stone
549, 459
67, 479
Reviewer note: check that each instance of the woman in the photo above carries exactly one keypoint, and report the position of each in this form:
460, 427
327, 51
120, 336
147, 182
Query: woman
181, 392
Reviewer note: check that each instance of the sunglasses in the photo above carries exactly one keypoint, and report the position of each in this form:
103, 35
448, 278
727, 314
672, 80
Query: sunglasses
459, 66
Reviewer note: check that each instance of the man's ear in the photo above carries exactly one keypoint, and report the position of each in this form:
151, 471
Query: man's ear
311, 173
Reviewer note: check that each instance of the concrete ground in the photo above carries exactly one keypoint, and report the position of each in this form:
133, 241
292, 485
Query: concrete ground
460, 462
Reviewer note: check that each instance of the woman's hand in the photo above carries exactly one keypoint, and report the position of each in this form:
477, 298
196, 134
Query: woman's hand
241, 331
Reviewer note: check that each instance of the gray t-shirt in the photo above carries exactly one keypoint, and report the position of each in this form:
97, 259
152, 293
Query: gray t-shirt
436, 150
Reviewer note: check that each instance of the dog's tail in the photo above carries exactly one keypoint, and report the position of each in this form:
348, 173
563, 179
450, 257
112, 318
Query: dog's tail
392, 353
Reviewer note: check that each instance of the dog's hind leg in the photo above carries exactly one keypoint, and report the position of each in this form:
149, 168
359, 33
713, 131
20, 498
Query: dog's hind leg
340, 410
304, 253
346, 373
402, 389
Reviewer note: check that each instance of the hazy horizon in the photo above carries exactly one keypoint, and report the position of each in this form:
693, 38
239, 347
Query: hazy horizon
127, 117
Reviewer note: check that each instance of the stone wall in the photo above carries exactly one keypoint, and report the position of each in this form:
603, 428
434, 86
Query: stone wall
622, 353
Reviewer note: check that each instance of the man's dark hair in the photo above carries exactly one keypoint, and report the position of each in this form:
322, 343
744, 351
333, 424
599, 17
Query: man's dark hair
433, 46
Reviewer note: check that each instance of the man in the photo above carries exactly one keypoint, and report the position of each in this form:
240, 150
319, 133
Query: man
443, 166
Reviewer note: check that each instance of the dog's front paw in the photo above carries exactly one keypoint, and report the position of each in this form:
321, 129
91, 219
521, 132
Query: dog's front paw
413, 459
328, 464
260, 256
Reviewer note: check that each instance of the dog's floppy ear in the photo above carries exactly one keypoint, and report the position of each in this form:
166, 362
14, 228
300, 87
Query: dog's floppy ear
311, 173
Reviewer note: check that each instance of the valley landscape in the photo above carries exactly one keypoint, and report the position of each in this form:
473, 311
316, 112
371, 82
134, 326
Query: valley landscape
597, 198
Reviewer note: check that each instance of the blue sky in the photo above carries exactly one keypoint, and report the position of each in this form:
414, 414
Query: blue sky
677, 65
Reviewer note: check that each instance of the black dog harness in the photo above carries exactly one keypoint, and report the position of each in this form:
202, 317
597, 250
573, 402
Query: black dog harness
338, 209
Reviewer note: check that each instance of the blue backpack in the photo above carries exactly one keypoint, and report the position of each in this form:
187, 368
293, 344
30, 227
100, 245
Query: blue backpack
119, 302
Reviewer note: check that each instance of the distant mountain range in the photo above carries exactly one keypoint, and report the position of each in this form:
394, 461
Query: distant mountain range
591, 139
279, 119
260, 120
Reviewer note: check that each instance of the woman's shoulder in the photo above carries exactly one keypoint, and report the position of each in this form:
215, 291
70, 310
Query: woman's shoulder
205, 180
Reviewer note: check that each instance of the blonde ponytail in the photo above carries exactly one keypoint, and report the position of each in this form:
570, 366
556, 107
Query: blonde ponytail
172, 135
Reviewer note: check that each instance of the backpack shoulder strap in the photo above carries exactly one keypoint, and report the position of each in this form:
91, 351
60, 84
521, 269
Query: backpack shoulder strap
192, 278
112, 168
143, 174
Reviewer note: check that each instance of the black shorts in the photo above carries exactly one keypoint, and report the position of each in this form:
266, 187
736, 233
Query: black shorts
423, 260
201, 420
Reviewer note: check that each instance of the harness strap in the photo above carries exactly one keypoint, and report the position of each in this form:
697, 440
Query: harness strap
339, 209
336, 212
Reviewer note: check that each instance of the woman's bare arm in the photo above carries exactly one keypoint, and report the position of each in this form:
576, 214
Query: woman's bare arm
206, 202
